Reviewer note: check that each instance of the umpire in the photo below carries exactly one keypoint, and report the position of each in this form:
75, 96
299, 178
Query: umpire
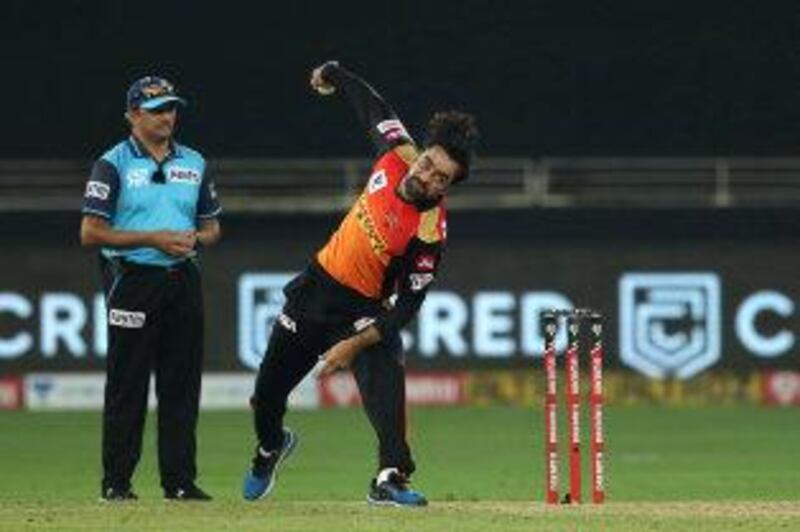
151, 205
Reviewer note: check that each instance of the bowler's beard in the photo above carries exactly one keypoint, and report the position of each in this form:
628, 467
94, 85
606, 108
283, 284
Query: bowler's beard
413, 191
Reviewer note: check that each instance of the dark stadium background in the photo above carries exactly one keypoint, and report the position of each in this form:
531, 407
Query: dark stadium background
545, 77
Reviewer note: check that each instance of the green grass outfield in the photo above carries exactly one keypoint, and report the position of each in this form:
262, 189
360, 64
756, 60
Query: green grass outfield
482, 468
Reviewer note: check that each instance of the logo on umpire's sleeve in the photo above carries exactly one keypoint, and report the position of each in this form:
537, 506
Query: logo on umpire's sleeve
126, 319
96, 189
670, 322
261, 300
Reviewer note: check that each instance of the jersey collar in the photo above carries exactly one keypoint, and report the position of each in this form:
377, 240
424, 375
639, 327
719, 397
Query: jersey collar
140, 151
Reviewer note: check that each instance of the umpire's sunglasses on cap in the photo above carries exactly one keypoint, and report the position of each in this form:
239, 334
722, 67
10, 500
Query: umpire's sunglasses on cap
151, 93
166, 108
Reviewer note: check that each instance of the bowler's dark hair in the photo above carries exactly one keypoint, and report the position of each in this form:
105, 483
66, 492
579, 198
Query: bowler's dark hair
457, 134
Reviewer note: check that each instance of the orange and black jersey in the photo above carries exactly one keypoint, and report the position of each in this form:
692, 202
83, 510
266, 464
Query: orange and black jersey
385, 246
386, 250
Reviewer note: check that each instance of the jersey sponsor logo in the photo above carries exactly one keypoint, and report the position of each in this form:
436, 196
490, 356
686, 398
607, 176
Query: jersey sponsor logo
96, 189
420, 281
377, 181
392, 129
126, 319
367, 224
137, 177
426, 262
183, 175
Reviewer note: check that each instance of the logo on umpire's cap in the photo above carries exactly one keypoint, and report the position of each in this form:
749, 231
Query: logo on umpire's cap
150, 92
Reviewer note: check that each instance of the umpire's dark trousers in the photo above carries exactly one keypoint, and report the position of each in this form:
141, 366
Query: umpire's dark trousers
303, 333
155, 325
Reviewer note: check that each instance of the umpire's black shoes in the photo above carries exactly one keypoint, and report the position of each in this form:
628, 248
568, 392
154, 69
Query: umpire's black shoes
188, 493
112, 494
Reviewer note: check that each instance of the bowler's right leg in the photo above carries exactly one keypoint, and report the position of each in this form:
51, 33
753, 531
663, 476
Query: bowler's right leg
292, 352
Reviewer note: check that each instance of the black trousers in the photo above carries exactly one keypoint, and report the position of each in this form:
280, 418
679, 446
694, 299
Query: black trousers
296, 343
155, 325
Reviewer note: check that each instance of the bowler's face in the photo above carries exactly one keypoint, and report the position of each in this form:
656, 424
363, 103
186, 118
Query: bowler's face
431, 175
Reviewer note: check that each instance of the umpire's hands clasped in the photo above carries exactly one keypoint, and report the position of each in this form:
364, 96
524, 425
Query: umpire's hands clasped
175, 243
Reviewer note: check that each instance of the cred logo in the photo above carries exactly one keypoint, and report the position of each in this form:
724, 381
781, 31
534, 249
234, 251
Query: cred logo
261, 300
670, 323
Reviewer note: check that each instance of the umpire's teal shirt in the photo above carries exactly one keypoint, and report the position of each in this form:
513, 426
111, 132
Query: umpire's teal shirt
121, 189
